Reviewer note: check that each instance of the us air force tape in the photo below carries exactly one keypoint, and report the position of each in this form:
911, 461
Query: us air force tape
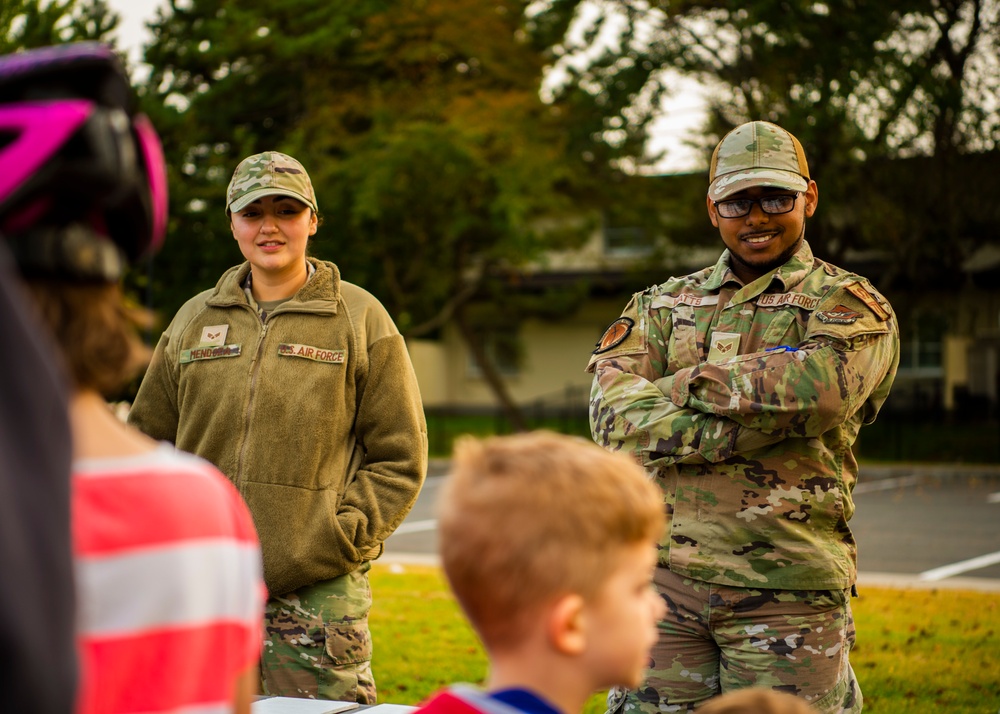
615, 334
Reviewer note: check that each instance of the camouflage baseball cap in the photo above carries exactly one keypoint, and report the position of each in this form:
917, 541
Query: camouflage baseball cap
269, 173
757, 153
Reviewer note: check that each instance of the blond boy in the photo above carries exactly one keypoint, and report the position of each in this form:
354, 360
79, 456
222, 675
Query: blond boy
756, 700
548, 543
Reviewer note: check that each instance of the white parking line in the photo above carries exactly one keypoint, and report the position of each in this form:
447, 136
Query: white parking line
946, 571
416, 527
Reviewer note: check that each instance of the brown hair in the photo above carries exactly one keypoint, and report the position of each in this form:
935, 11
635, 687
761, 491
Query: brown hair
527, 518
95, 330
756, 700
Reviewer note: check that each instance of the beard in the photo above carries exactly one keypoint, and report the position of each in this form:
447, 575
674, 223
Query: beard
765, 264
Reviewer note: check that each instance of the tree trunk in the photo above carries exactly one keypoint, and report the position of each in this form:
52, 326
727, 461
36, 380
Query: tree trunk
489, 371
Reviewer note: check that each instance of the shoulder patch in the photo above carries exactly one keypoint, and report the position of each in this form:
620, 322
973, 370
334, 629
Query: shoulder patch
861, 293
840, 315
615, 334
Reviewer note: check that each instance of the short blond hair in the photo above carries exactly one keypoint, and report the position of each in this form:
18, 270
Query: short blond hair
527, 518
756, 700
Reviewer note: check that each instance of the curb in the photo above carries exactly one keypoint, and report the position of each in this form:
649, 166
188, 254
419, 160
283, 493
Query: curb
438, 466
897, 581
894, 581
886, 471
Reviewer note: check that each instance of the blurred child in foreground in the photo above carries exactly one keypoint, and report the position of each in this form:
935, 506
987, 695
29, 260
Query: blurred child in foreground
548, 543
167, 563
756, 700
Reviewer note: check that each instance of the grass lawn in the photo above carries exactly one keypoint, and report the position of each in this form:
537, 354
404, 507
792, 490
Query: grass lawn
918, 652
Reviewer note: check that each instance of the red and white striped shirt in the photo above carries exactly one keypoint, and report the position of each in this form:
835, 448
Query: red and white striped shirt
169, 584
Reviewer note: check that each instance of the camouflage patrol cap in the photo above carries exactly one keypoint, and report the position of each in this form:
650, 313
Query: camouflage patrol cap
757, 153
269, 173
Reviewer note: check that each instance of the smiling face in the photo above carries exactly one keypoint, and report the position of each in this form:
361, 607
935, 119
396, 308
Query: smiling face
272, 233
760, 242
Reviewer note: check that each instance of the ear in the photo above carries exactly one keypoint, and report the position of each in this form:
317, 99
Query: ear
712, 216
313, 222
812, 198
566, 625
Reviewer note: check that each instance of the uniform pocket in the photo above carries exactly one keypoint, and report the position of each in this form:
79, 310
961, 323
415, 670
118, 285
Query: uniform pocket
347, 643
345, 622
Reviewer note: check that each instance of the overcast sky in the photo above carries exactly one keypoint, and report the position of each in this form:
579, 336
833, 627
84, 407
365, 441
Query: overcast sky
134, 16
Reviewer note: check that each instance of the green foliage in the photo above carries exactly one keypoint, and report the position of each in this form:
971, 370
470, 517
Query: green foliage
879, 77
918, 651
856, 82
895, 437
27, 24
444, 426
433, 156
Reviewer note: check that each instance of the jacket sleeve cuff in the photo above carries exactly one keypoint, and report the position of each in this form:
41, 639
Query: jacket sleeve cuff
678, 389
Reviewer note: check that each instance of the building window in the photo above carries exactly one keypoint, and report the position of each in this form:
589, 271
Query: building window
627, 241
502, 349
920, 355
915, 355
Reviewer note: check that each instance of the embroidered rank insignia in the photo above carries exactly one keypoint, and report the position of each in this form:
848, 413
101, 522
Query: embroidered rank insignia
214, 335
859, 291
839, 315
725, 345
615, 334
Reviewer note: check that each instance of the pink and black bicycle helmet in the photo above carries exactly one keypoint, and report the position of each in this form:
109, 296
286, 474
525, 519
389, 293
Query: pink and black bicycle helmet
83, 186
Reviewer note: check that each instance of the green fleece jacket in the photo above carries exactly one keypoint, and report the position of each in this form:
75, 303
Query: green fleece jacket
313, 412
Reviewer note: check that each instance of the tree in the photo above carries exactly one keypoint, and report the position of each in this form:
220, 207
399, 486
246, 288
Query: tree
861, 82
27, 24
421, 124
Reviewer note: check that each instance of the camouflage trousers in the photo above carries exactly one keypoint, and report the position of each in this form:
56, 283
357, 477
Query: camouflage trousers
716, 638
317, 644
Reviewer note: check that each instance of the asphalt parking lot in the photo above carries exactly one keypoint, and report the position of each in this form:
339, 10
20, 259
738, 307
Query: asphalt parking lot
916, 526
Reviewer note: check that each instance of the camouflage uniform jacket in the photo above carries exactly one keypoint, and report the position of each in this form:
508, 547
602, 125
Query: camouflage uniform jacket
314, 414
744, 401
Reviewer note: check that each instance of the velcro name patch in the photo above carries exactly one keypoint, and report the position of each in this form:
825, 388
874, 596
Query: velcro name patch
672, 301
316, 354
201, 353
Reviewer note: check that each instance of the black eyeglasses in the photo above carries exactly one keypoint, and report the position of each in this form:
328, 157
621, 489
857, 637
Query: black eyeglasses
739, 207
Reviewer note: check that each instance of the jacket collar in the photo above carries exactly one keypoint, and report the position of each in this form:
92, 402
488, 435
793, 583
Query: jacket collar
787, 276
320, 293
